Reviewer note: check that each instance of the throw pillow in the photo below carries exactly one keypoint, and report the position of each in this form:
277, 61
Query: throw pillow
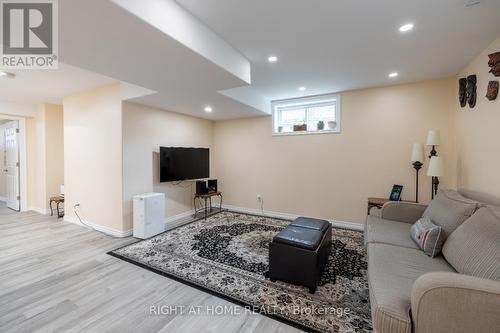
428, 236
474, 248
449, 209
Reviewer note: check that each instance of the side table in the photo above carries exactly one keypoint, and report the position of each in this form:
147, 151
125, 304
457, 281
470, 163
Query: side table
58, 199
378, 203
207, 198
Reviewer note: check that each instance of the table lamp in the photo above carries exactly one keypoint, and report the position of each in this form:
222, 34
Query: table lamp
417, 157
433, 139
435, 170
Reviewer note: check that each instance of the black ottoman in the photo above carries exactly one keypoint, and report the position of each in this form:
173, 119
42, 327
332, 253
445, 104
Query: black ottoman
299, 253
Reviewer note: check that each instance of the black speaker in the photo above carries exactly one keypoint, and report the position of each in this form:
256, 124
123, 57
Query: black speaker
212, 185
201, 187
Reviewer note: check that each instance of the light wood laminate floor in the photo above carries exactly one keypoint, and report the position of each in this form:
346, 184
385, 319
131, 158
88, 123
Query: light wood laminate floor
57, 277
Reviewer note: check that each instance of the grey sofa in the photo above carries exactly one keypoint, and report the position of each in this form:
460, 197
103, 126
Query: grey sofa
457, 291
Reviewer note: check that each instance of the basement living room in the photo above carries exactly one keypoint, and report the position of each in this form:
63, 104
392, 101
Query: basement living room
250, 166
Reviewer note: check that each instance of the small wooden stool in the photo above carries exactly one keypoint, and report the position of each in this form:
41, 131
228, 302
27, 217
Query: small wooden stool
58, 199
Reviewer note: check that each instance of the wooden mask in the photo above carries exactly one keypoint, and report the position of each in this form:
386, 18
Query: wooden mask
494, 63
462, 91
492, 90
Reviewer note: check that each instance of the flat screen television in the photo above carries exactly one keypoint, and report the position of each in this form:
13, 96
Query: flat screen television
179, 163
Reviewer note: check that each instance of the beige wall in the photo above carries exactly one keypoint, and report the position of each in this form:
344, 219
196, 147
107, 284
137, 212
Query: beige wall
477, 131
45, 155
144, 130
54, 147
93, 156
331, 175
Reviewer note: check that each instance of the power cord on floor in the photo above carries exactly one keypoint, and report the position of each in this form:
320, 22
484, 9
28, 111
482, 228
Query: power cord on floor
88, 226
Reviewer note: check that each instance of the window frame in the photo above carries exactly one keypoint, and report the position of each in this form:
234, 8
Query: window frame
306, 102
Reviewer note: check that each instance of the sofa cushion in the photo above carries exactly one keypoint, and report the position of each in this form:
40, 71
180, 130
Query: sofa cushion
428, 236
449, 209
474, 248
379, 230
392, 270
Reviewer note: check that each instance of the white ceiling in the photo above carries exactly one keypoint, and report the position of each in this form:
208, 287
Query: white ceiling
331, 46
135, 47
37, 86
183, 58
51, 86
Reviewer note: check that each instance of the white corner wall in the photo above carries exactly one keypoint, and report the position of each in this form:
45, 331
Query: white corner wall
93, 158
144, 130
45, 155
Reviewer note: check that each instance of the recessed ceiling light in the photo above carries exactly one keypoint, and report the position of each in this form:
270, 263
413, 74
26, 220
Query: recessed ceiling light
7, 74
272, 58
302, 88
208, 108
406, 27
470, 3
393, 74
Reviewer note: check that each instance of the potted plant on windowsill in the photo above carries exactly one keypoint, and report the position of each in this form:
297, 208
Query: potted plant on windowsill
300, 127
321, 125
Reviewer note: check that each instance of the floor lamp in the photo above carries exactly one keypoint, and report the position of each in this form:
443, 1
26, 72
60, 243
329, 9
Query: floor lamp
417, 157
433, 140
435, 170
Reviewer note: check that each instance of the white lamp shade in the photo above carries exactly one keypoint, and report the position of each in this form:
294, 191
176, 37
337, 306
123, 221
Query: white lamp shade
436, 167
433, 138
417, 153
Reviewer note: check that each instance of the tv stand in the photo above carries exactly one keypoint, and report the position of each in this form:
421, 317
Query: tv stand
207, 207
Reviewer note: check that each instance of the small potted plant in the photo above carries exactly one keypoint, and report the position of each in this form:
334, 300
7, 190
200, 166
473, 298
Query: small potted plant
300, 127
321, 125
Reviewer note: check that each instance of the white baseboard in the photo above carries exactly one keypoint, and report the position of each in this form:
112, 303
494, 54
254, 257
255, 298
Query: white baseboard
43, 211
170, 223
177, 220
335, 223
105, 230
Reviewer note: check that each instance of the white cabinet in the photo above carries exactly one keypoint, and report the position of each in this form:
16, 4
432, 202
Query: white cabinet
149, 214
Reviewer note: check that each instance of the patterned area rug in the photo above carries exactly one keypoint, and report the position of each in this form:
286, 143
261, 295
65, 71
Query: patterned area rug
228, 255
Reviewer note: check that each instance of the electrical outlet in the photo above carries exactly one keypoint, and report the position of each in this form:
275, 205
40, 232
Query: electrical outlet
259, 197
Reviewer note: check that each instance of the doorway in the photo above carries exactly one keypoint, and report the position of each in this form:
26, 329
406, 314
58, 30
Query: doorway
12, 174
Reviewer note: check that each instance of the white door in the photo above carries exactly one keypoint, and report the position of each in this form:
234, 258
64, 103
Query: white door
11, 158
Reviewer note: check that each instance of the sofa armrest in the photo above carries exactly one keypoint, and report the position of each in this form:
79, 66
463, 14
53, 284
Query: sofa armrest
450, 302
401, 211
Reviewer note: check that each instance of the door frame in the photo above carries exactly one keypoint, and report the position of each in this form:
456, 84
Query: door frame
23, 165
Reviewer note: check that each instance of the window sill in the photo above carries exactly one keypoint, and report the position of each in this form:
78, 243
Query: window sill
305, 133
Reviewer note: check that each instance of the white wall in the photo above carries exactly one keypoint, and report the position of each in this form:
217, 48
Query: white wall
3, 184
477, 131
45, 160
93, 157
144, 130
332, 175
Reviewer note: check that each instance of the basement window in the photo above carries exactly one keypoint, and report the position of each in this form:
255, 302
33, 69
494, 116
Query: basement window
310, 115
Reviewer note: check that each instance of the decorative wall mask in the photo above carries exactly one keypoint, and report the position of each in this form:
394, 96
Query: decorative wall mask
462, 91
492, 90
471, 90
494, 63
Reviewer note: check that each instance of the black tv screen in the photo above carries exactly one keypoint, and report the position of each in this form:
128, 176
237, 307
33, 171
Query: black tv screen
177, 163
